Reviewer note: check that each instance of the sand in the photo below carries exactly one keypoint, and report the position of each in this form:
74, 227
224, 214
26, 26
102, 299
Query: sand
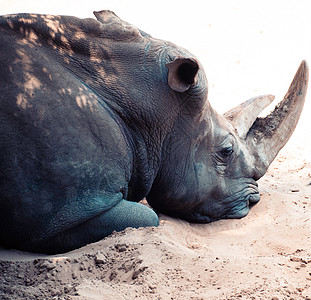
266, 255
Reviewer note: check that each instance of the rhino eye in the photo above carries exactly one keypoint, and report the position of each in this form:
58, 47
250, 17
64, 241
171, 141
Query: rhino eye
226, 152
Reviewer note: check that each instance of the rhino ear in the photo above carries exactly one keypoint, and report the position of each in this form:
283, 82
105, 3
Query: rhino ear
115, 28
106, 16
182, 73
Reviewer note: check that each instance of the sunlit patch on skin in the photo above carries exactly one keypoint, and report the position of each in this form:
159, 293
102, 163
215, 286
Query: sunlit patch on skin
64, 91
22, 101
30, 85
54, 25
81, 101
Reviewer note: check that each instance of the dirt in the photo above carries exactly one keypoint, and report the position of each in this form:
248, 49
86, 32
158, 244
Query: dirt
266, 255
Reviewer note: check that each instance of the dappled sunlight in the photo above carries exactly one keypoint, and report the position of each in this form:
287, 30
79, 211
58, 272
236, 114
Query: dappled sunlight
80, 35
54, 25
22, 58
65, 91
31, 39
72, 44
30, 86
31, 83
81, 101
22, 101
84, 100
47, 72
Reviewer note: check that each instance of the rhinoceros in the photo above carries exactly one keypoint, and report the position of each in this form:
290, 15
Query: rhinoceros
95, 115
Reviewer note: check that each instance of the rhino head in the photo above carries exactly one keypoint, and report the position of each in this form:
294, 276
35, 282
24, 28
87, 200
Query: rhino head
194, 163
222, 155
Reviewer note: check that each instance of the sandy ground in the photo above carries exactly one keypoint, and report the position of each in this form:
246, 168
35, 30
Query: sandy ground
247, 49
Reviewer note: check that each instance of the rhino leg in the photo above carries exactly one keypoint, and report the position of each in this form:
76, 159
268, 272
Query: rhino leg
124, 214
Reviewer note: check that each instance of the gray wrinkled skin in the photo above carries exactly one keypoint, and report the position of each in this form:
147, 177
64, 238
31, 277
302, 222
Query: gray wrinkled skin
213, 179
95, 115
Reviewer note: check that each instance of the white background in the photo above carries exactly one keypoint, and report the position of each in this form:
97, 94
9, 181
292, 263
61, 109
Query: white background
247, 47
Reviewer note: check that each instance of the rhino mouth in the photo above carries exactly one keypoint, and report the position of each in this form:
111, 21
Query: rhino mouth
242, 208
230, 209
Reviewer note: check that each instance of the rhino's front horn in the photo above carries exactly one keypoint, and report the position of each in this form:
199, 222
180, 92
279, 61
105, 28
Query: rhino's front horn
268, 135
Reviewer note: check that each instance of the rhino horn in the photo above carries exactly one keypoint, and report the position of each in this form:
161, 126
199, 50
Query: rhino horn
268, 135
243, 116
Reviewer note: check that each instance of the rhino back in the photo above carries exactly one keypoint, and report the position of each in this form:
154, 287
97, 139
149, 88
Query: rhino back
64, 155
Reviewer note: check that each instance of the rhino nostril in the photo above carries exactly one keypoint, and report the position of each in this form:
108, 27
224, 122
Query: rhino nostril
254, 198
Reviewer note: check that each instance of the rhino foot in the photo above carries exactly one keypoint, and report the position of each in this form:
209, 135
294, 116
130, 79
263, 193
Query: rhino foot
124, 214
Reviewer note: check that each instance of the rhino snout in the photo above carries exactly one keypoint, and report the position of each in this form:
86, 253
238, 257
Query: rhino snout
254, 198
